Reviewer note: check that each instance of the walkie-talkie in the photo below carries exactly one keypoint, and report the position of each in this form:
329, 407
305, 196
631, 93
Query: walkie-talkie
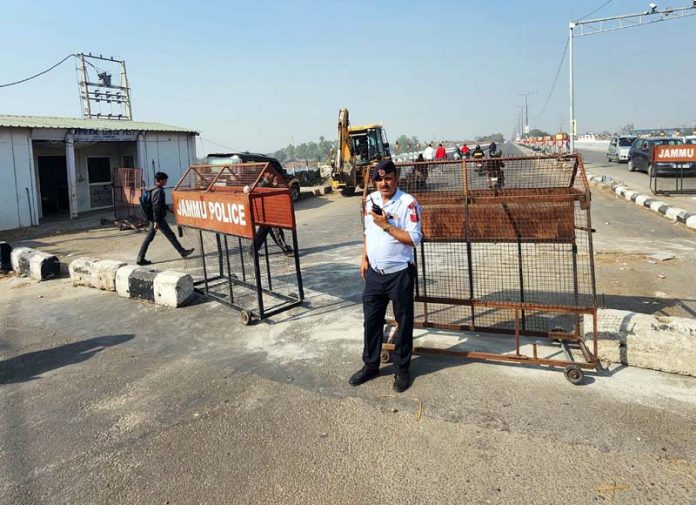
376, 208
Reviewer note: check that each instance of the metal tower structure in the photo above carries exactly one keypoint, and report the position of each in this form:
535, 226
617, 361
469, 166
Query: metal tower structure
99, 96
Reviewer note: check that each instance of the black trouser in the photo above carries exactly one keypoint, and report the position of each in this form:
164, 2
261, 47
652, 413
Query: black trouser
163, 226
277, 235
379, 290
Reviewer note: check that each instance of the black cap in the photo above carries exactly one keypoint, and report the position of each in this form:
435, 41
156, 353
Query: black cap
383, 168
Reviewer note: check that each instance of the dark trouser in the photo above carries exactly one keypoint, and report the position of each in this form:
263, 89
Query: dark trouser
276, 234
379, 290
166, 231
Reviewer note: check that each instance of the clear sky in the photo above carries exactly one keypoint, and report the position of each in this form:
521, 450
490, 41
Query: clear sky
261, 74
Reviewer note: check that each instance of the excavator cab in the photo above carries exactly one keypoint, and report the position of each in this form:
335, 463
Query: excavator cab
359, 148
369, 144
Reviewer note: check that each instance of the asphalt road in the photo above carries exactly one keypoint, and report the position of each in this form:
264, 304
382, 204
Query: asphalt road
596, 163
107, 400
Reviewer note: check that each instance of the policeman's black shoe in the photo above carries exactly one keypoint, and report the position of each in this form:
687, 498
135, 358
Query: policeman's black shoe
289, 252
363, 375
143, 263
402, 381
187, 252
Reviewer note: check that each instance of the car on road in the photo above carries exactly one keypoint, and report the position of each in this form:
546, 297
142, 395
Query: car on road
619, 147
640, 157
247, 157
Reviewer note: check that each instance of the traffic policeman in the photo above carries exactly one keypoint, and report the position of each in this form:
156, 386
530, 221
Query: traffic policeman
392, 231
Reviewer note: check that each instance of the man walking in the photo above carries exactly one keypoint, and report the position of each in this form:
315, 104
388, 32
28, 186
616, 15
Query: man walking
392, 230
158, 221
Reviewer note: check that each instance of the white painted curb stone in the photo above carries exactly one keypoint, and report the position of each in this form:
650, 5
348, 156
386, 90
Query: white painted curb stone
172, 289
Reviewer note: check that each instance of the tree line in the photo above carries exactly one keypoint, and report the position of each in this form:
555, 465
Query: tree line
324, 150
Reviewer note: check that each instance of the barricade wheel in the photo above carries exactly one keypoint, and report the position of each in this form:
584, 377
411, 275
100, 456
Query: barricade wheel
245, 317
574, 374
385, 357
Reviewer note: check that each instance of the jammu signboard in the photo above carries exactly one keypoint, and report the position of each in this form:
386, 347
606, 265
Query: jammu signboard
221, 212
684, 153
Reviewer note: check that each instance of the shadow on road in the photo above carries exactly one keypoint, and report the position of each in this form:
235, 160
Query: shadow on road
30, 366
650, 305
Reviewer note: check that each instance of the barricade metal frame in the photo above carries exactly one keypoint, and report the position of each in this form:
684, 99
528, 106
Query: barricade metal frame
228, 215
673, 181
507, 250
127, 187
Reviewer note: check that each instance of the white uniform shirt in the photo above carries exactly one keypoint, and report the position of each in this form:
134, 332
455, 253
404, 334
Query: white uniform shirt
403, 212
429, 153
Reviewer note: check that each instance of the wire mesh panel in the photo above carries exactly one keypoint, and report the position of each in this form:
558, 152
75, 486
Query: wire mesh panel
226, 270
127, 186
677, 181
241, 218
507, 246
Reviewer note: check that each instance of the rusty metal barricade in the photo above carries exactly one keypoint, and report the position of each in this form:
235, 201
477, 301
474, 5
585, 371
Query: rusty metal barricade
507, 250
127, 188
238, 225
673, 169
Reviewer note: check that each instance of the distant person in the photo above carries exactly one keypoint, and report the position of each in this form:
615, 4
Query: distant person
429, 153
466, 152
158, 221
492, 148
478, 152
440, 153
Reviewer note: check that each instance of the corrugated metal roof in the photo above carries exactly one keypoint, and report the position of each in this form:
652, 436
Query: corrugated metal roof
90, 124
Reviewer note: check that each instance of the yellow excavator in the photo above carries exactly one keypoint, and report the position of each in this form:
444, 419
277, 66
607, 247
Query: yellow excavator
359, 149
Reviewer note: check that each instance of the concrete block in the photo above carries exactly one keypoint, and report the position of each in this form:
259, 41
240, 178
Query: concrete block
141, 284
660, 343
5, 257
122, 280
173, 289
35, 264
628, 194
95, 273
655, 206
691, 222
673, 212
640, 200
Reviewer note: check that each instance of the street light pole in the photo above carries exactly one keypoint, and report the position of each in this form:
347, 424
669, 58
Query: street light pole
571, 127
610, 24
526, 111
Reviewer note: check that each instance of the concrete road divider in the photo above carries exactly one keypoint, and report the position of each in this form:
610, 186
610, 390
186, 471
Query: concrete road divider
35, 264
172, 289
95, 273
660, 343
5, 259
168, 288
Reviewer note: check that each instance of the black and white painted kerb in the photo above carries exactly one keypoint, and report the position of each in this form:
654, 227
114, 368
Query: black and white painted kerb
674, 213
95, 273
35, 264
168, 288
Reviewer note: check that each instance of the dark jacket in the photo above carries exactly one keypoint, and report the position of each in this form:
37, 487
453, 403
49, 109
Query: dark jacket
159, 204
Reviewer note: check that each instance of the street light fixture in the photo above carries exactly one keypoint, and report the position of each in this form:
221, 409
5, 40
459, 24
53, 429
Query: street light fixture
594, 26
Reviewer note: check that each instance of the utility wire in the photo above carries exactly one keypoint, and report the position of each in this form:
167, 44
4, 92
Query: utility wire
220, 145
597, 9
36, 75
553, 86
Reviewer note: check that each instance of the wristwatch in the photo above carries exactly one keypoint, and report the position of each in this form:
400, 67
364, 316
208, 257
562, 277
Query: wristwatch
387, 229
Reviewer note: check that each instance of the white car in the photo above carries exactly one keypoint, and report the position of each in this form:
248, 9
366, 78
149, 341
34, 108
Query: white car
619, 147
